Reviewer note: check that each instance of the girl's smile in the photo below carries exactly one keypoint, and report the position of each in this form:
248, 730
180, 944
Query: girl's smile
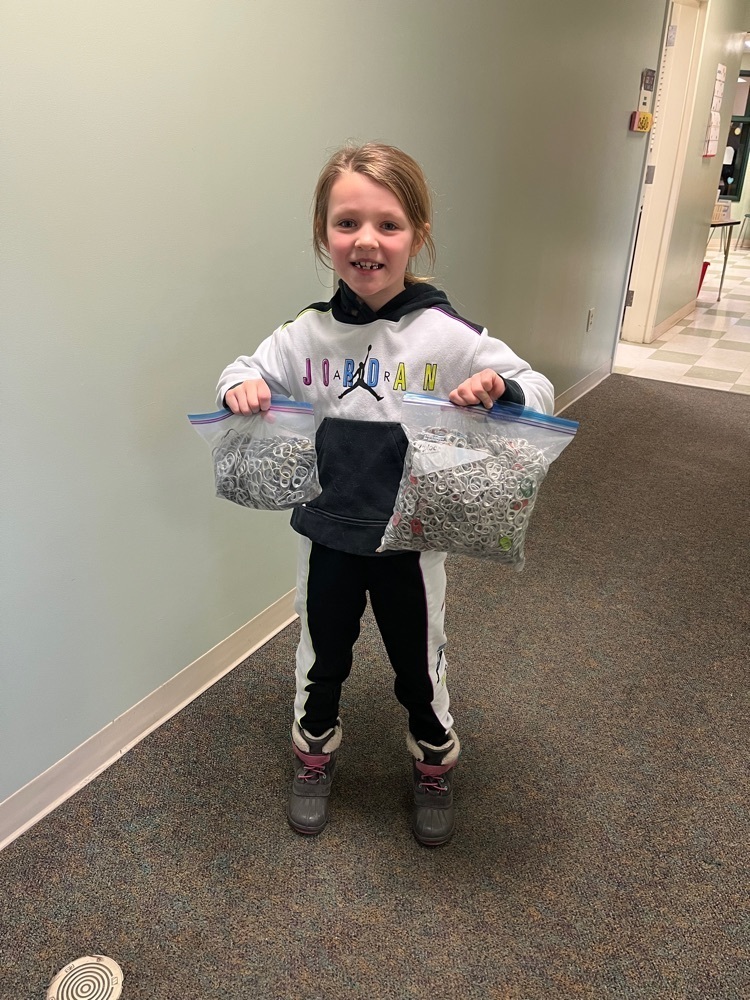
369, 238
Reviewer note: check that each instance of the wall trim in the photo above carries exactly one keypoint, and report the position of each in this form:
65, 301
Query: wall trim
575, 392
58, 783
670, 321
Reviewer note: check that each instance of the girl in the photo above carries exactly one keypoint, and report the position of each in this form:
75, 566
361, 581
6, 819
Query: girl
384, 332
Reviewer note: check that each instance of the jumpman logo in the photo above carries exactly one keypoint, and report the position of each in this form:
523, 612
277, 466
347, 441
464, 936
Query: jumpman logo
359, 379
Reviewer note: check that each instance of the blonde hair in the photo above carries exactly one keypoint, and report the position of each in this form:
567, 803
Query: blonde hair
395, 170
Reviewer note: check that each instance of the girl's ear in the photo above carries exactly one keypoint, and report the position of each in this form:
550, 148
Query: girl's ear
419, 240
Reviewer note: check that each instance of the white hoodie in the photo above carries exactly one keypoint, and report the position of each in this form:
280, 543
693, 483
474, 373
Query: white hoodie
354, 366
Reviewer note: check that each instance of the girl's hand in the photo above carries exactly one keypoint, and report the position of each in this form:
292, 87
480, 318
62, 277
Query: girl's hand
484, 387
249, 397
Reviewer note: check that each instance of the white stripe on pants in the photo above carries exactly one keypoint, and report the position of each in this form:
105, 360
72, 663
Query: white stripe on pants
407, 595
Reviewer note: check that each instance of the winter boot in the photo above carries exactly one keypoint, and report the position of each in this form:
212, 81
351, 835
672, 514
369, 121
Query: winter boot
433, 819
307, 810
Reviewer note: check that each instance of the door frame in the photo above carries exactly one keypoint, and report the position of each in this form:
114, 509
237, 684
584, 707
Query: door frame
652, 229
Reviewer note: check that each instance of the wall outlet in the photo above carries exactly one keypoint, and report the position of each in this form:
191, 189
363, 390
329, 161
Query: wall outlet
590, 320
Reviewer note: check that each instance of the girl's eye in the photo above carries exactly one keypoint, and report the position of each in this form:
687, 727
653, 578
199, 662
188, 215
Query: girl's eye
390, 226
345, 224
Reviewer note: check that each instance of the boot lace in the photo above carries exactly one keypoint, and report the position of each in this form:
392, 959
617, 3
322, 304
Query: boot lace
313, 773
433, 785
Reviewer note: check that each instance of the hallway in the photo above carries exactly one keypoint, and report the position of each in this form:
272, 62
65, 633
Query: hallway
711, 346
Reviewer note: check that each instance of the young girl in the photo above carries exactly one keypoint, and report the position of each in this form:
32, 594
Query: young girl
384, 332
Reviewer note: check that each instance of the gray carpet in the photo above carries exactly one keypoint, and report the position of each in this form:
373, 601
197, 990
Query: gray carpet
602, 844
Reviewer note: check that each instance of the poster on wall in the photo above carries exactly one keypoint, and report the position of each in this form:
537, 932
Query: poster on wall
711, 142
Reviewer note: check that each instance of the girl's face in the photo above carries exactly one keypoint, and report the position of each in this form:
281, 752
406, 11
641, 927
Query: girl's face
369, 238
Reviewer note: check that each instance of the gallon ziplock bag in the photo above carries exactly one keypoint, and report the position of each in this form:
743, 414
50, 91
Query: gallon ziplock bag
471, 477
263, 460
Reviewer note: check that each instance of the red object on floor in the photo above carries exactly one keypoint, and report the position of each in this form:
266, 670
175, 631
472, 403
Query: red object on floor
706, 266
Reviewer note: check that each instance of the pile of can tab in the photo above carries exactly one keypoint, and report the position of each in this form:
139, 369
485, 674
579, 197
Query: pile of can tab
273, 473
467, 493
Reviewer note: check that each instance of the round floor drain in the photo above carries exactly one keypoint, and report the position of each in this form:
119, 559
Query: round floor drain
92, 978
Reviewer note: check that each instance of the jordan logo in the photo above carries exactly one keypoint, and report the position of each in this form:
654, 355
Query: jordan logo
358, 379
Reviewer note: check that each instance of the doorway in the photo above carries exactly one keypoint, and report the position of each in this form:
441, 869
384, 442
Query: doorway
673, 104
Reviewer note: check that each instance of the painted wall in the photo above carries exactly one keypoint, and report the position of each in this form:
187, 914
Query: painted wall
742, 207
155, 193
724, 43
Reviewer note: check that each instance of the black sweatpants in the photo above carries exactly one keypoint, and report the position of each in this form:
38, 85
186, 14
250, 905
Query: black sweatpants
407, 595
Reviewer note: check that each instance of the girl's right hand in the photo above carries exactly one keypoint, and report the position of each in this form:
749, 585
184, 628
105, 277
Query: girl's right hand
248, 397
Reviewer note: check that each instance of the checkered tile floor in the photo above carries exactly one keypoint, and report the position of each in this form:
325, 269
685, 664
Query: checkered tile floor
711, 346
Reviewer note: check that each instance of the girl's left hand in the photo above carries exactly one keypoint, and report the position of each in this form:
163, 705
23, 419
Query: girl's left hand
484, 387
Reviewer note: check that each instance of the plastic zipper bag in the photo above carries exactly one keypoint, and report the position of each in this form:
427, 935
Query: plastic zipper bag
264, 460
471, 477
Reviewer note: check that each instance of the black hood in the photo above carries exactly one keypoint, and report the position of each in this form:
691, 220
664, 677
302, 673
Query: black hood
349, 308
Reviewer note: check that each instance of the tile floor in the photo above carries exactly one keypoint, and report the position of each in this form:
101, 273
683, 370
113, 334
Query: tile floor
711, 346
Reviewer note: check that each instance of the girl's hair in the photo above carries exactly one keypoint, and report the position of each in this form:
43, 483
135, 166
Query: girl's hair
390, 167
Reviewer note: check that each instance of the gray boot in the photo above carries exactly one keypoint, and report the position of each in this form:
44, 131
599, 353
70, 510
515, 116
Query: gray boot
433, 818
307, 810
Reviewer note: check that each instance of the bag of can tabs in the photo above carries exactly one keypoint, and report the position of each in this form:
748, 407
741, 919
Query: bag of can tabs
471, 477
264, 460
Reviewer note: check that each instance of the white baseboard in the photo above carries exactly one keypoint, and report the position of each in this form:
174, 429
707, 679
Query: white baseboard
580, 389
46, 792
671, 321
649, 336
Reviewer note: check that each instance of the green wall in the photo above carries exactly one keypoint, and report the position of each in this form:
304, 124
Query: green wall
727, 22
741, 208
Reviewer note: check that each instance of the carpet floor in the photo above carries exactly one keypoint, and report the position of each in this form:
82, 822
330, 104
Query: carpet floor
601, 848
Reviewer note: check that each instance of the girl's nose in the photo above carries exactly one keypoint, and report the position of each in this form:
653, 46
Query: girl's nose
366, 239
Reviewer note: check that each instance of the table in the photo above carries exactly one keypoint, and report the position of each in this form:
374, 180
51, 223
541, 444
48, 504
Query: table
726, 239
